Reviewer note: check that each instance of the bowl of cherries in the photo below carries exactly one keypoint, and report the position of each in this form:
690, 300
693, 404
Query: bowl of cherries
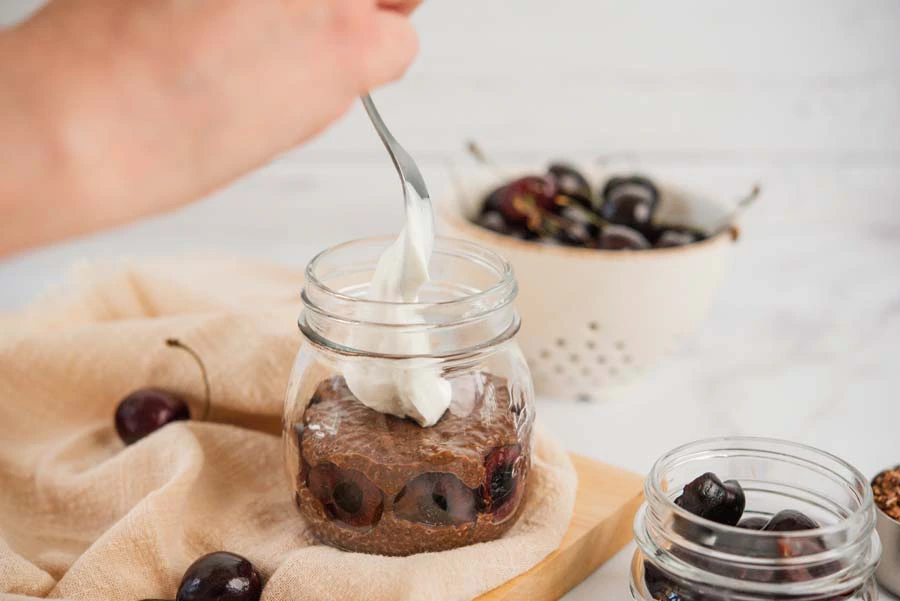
615, 268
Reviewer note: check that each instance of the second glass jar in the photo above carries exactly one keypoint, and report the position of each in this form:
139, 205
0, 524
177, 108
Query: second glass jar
684, 557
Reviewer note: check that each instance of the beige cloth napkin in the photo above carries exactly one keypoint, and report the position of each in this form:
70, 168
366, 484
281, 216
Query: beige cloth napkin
84, 517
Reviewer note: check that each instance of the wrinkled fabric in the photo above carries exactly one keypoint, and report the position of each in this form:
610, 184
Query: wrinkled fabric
84, 517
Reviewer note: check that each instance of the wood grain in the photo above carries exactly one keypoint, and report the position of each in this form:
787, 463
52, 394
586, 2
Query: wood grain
605, 505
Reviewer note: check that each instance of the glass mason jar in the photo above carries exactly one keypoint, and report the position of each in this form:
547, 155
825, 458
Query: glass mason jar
371, 481
682, 556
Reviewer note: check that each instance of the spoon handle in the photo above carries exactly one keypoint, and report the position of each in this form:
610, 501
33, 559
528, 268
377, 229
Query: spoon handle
403, 162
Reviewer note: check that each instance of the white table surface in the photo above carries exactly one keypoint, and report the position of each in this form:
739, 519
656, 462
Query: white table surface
804, 338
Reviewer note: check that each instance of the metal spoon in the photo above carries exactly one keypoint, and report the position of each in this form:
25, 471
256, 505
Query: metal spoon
406, 167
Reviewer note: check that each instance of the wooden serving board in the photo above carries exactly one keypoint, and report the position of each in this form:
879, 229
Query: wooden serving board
605, 504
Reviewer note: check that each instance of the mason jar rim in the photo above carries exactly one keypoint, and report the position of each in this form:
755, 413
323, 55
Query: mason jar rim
653, 489
477, 315
505, 286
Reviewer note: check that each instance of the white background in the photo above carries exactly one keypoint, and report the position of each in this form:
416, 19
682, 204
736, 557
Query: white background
804, 96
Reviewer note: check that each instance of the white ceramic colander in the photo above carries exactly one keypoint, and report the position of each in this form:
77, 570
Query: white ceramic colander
594, 318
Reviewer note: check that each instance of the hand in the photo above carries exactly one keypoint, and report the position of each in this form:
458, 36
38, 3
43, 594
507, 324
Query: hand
141, 106
402, 6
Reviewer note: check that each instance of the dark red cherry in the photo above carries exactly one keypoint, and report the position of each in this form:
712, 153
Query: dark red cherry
565, 237
677, 236
348, 496
629, 201
438, 499
492, 200
569, 181
304, 467
145, 411
710, 498
525, 234
220, 576
620, 237
790, 521
494, 221
753, 523
503, 487
559, 204
523, 199
662, 587
332, 388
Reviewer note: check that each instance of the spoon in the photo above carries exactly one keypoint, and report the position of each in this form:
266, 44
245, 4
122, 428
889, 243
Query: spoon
419, 201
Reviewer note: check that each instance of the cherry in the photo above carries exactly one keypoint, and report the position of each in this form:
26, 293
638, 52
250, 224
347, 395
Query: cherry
672, 236
220, 576
661, 586
492, 200
502, 489
438, 499
522, 199
578, 214
525, 234
348, 496
494, 221
620, 237
569, 181
629, 201
565, 237
710, 498
299, 429
753, 523
146, 410
790, 521
560, 204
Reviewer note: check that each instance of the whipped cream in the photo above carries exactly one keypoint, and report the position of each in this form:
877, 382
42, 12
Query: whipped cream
413, 387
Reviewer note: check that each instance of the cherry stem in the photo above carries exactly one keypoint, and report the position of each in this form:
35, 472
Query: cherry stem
475, 150
479, 155
174, 342
750, 198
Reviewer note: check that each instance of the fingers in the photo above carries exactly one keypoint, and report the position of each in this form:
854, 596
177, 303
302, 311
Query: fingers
393, 47
404, 7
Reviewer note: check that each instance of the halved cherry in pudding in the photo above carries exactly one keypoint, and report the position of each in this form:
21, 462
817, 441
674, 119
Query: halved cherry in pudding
438, 499
304, 467
502, 490
348, 496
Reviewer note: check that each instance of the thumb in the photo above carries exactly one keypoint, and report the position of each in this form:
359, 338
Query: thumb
392, 48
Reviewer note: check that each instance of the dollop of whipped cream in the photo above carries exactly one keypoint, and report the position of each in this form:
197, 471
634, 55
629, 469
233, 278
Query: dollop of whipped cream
411, 387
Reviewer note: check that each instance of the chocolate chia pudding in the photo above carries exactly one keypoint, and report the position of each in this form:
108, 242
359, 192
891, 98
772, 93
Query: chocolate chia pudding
376, 483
